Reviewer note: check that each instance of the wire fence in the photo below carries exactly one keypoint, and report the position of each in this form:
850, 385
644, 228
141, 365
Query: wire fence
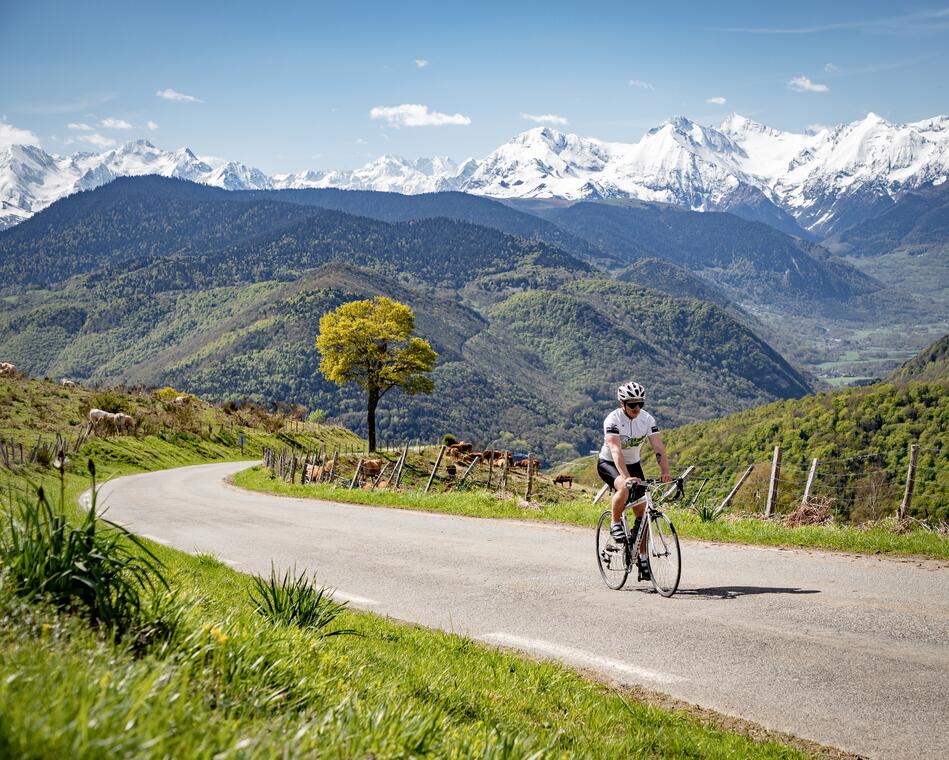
854, 489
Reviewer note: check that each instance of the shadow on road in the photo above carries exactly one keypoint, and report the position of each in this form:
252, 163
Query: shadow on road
733, 592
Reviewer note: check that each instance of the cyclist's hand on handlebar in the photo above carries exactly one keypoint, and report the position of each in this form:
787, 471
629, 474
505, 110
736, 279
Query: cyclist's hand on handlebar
667, 478
630, 482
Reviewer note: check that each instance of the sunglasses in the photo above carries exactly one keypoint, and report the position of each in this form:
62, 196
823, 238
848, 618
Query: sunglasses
633, 404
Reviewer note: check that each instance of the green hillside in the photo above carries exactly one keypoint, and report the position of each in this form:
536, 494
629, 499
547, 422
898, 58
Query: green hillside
861, 435
931, 364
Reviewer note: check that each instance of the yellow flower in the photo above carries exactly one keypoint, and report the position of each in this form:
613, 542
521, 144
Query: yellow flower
46, 627
218, 635
105, 680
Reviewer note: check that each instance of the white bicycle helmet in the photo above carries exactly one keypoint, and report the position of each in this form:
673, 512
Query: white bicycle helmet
631, 392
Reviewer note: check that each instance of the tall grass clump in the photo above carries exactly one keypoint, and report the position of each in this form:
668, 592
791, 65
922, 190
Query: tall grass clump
295, 600
90, 568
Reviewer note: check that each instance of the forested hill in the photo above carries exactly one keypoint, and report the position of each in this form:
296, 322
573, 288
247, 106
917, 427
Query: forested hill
931, 364
532, 341
917, 220
396, 207
752, 261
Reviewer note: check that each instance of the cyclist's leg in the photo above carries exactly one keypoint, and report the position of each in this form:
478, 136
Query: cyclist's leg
611, 476
639, 504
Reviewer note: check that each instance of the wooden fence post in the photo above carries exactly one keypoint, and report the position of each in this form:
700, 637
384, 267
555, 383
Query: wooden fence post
530, 477
438, 461
490, 470
502, 478
910, 482
468, 471
332, 471
405, 453
810, 482
293, 466
356, 475
741, 480
773, 484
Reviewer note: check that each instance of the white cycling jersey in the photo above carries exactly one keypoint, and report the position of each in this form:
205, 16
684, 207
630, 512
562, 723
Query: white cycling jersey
632, 433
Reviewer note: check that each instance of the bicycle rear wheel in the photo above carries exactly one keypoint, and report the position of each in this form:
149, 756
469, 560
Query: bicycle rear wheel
611, 557
662, 551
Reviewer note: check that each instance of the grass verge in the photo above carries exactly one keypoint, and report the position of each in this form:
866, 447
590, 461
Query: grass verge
580, 511
231, 682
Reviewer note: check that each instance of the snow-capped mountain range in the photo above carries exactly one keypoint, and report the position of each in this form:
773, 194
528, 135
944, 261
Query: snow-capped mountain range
813, 183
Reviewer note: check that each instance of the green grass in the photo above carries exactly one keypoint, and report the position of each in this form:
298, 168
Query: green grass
231, 683
581, 511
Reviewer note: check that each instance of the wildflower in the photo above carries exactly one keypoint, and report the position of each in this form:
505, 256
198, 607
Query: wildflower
218, 635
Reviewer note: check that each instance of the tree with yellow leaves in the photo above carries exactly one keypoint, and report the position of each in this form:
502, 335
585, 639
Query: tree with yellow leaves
370, 343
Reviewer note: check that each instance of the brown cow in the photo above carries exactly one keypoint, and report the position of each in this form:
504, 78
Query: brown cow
568, 479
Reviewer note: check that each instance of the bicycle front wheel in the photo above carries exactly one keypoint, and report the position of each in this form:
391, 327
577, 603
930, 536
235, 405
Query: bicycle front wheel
611, 557
665, 561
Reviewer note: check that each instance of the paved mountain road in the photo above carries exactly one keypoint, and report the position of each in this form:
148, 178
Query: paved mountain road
843, 650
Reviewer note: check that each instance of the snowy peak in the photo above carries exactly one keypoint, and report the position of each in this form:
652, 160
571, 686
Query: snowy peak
825, 178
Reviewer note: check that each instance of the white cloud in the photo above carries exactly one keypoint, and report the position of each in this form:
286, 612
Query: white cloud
111, 123
547, 118
170, 94
79, 126
831, 68
718, 100
151, 125
416, 115
639, 84
361, 141
10, 135
98, 140
803, 84
813, 129
421, 63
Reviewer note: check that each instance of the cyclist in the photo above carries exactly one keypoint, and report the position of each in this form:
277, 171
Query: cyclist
624, 432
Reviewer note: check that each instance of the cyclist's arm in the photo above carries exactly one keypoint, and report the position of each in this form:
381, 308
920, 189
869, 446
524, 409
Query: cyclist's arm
616, 449
655, 440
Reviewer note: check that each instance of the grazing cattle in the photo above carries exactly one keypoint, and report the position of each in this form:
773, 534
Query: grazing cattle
7, 369
67, 383
534, 463
182, 400
462, 447
371, 467
99, 418
568, 479
313, 473
124, 422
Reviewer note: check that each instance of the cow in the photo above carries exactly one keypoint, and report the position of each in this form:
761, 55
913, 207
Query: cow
568, 479
7, 370
124, 422
371, 467
457, 449
184, 400
67, 383
99, 418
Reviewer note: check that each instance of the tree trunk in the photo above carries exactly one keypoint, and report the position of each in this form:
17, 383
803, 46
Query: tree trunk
371, 418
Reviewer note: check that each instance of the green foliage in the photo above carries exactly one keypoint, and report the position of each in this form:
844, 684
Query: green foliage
294, 599
317, 415
92, 567
167, 394
111, 401
370, 343
449, 440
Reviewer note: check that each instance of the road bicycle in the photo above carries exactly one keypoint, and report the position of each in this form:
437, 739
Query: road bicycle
616, 560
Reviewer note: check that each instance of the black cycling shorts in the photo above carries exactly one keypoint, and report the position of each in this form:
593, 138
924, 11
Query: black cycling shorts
608, 472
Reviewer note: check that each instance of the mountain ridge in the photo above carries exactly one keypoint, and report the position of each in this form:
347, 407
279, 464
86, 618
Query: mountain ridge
811, 184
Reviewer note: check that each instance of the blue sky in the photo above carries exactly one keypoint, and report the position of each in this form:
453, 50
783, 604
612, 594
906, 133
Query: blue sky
288, 86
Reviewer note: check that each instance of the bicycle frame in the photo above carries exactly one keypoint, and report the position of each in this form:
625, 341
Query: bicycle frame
646, 525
